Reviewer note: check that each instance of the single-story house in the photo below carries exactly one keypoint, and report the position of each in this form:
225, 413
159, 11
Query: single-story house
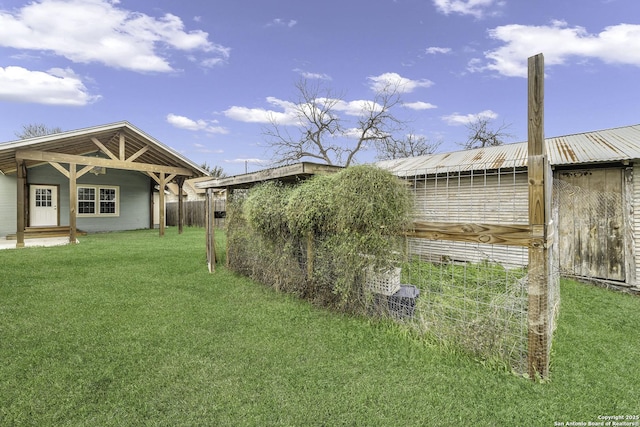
103, 178
595, 201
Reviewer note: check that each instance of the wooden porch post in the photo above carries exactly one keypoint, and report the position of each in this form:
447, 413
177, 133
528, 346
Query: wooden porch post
73, 202
539, 334
152, 209
21, 200
180, 205
162, 184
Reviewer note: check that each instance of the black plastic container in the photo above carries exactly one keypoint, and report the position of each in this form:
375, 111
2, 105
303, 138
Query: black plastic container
403, 303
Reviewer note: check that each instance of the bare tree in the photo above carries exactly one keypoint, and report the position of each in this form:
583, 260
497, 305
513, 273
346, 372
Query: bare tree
33, 130
481, 134
214, 171
412, 145
320, 132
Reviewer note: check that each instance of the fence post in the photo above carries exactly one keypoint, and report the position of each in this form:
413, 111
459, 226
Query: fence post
210, 232
539, 333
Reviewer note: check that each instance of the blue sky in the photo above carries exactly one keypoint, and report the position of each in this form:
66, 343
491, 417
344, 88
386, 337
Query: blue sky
203, 77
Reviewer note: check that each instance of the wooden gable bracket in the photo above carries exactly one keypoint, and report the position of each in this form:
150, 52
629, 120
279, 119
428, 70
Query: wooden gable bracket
121, 149
45, 156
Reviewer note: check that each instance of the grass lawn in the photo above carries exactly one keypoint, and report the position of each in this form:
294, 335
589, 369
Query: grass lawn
131, 329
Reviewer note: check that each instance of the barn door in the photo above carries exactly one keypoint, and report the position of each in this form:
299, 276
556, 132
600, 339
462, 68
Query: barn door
590, 223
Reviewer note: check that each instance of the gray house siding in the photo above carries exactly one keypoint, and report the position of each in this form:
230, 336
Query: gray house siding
8, 209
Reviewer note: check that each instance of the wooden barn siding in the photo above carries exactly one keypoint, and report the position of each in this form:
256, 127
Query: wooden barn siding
8, 210
485, 197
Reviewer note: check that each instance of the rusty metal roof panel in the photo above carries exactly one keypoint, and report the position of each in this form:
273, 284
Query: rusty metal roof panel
610, 145
503, 156
607, 145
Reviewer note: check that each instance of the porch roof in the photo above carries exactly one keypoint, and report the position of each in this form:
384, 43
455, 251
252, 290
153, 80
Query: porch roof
139, 149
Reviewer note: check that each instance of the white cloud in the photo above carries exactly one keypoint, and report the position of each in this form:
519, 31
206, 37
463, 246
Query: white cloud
435, 50
618, 44
475, 8
419, 105
396, 81
54, 87
312, 76
85, 31
353, 108
183, 122
262, 115
457, 119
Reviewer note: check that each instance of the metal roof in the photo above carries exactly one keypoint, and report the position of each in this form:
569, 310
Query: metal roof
80, 142
286, 173
603, 146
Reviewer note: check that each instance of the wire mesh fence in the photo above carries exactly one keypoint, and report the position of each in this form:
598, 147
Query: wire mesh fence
471, 295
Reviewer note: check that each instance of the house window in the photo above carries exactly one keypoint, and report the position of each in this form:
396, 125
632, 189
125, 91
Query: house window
43, 197
98, 201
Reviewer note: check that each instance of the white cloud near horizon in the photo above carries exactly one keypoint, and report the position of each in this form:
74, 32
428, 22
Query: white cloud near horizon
56, 86
396, 81
186, 123
476, 8
86, 31
457, 119
617, 44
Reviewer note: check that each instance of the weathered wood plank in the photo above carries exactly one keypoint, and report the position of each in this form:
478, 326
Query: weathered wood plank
498, 234
538, 313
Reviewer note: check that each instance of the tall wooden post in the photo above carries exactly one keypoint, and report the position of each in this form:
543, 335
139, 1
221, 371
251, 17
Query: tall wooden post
161, 184
152, 208
73, 202
180, 205
539, 334
20, 203
210, 231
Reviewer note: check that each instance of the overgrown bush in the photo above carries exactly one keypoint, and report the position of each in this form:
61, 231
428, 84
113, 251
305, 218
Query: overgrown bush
318, 237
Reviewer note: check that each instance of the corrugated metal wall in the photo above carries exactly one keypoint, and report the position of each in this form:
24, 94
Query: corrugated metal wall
484, 196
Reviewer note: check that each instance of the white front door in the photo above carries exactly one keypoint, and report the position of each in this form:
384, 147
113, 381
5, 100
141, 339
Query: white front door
43, 201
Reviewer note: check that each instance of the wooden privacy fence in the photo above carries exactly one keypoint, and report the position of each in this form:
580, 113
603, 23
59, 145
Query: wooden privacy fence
195, 213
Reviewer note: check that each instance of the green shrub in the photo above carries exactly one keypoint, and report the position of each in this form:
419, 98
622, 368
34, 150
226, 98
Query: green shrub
371, 201
264, 210
323, 233
311, 208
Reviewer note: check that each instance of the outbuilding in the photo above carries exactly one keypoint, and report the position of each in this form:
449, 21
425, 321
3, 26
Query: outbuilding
595, 209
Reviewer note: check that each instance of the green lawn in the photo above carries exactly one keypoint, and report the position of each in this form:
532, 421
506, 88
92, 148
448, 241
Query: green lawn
131, 329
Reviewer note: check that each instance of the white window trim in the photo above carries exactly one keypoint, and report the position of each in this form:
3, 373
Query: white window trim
96, 200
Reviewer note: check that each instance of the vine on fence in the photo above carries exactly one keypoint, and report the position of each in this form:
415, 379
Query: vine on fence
318, 237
